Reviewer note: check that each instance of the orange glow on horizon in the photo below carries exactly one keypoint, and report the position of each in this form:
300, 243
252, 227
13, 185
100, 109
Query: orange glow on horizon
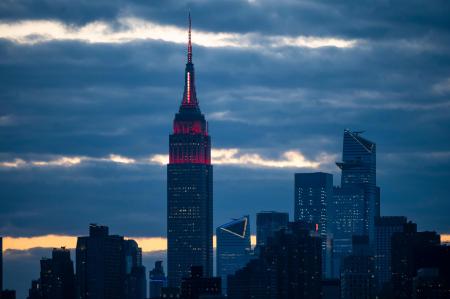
148, 244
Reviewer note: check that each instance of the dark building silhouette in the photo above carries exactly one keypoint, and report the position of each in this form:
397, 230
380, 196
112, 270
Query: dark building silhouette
157, 280
135, 280
412, 251
1, 264
311, 194
100, 264
57, 279
267, 223
233, 247
35, 291
358, 271
429, 284
197, 285
170, 292
385, 227
189, 186
356, 203
331, 289
288, 266
8, 294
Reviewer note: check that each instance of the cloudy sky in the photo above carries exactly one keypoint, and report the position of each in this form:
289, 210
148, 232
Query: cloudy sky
88, 91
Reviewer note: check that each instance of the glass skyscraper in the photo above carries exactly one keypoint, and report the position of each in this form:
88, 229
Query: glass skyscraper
359, 172
233, 247
356, 203
189, 187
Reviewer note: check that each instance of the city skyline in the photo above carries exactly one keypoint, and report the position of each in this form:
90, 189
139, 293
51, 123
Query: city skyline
118, 167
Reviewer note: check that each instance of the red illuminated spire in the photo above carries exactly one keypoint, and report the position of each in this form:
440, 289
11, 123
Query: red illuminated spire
189, 97
189, 42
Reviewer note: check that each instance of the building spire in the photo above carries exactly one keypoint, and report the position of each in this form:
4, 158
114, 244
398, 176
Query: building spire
189, 97
189, 41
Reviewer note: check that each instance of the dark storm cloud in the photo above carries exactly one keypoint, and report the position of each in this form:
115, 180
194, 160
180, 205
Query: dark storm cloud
378, 19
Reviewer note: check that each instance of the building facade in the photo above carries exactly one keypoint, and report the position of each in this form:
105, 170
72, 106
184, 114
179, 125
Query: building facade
288, 266
57, 279
358, 271
356, 202
100, 265
189, 187
385, 227
267, 223
312, 192
233, 247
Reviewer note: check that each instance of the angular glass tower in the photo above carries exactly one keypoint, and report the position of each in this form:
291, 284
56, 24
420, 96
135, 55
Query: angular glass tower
356, 203
189, 186
233, 247
359, 171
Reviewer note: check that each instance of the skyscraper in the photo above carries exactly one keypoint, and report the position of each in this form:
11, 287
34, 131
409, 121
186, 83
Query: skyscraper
189, 186
311, 194
359, 171
356, 203
385, 227
100, 265
267, 223
233, 247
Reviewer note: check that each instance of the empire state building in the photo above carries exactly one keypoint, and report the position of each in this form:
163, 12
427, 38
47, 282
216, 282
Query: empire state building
189, 186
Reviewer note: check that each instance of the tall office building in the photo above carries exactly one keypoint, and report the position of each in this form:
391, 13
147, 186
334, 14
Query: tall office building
100, 265
267, 223
385, 227
359, 171
157, 280
189, 186
288, 266
233, 247
356, 203
311, 194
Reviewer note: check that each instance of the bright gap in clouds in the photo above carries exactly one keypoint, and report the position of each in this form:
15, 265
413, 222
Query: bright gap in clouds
132, 29
231, 156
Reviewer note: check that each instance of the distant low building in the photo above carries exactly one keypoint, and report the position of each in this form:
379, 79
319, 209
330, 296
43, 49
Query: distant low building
157, 280
57, 279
